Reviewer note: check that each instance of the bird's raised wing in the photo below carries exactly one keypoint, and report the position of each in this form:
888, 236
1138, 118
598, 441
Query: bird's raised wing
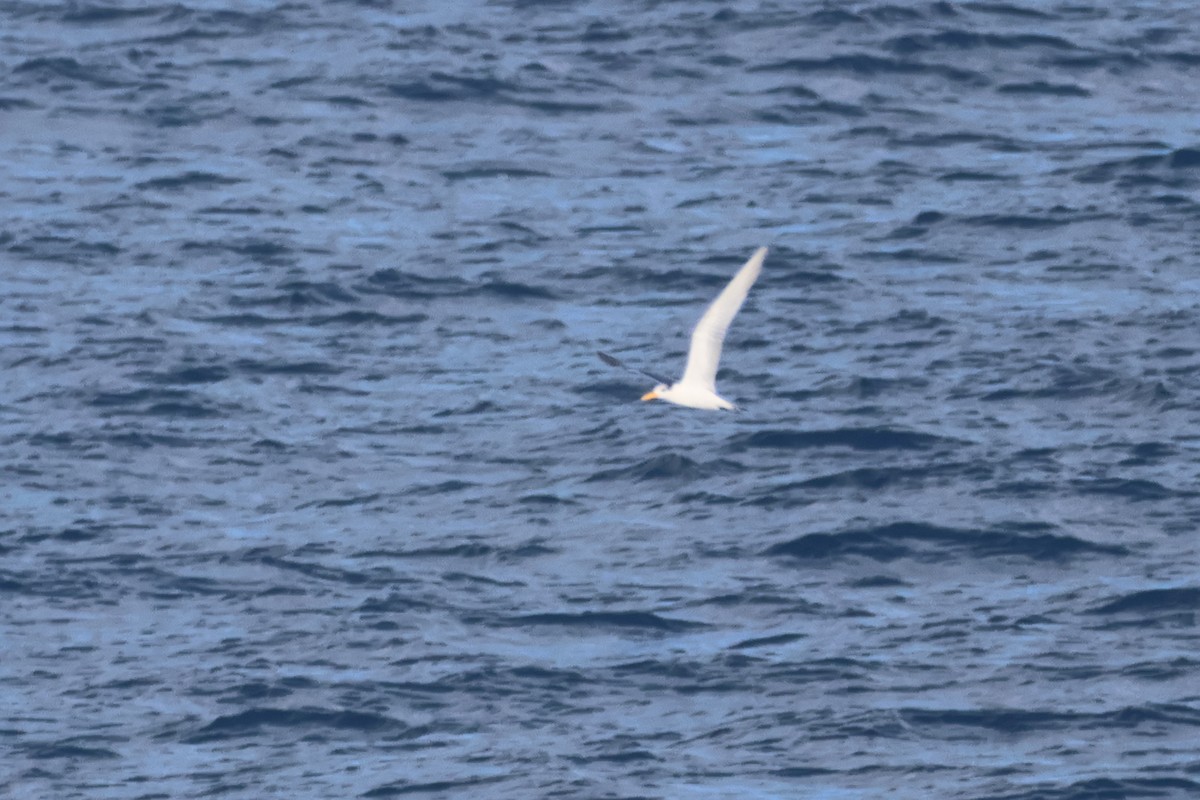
709, 333
613, 361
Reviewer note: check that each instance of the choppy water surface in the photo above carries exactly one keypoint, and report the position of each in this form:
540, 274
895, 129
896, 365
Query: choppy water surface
314, 487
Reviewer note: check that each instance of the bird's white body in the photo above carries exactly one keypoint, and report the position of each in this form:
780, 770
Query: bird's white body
698, 386
686, 394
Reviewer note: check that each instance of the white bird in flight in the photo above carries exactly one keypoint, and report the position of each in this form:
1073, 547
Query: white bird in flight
698, 386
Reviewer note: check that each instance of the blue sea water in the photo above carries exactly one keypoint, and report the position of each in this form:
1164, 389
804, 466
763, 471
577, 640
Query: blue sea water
314, 486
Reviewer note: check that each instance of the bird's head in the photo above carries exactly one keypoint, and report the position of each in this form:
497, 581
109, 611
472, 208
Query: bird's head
656, 392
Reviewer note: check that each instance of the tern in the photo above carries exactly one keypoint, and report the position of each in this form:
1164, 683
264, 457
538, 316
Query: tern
698, 386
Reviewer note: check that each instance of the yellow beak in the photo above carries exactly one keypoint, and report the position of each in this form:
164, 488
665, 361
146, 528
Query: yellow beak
650, 396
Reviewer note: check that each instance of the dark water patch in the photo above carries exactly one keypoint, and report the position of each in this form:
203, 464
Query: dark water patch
767, 641
865, 387
821, 274
1021, 721
853, 438
331, 389
12, 104
144, 441
1128, 488
63, 68
83, 532
257, 690
1001, 720
454, 87
545, 500
249, 320
1086, 268
61, 440
635, 620
706, 498
808, 113
562, 106
465, 550
803, 772
465, 577
1019, 489
1074, 381
155, 402
406, 285
181, 115
1044, 88
91, 13
927, 542
758, 598
1177, 168
192, 179
954, 138
1166, 670
1105, 789
872, 65
894, 14
604, 31
886, 477
1153, 601
659, 467
479, 407
256, 367
183, 410
67, 748
298, 294
443, 487
1184, 158
493, 170
708, 199
958, 39
440, 788
920, 224
513, 290
369, 318
263, 251
350, 101
164, 584
188, 375
313, 570
909, 255
674, 281
621, 757
1053, 218
342, 502
590, 230
252, 721
394, 603
531, 549
441, 87
834, 17
1147, 453
1183, 58
955, 176
1112, 61
62, 249
1008, 10
879, 582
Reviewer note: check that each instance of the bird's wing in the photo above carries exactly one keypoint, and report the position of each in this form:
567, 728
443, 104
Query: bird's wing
613, 361
709, 333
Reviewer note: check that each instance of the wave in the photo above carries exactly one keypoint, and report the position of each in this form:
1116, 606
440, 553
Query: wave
924, 541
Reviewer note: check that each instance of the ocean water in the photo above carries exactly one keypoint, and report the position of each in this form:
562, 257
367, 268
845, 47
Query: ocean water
314, 486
